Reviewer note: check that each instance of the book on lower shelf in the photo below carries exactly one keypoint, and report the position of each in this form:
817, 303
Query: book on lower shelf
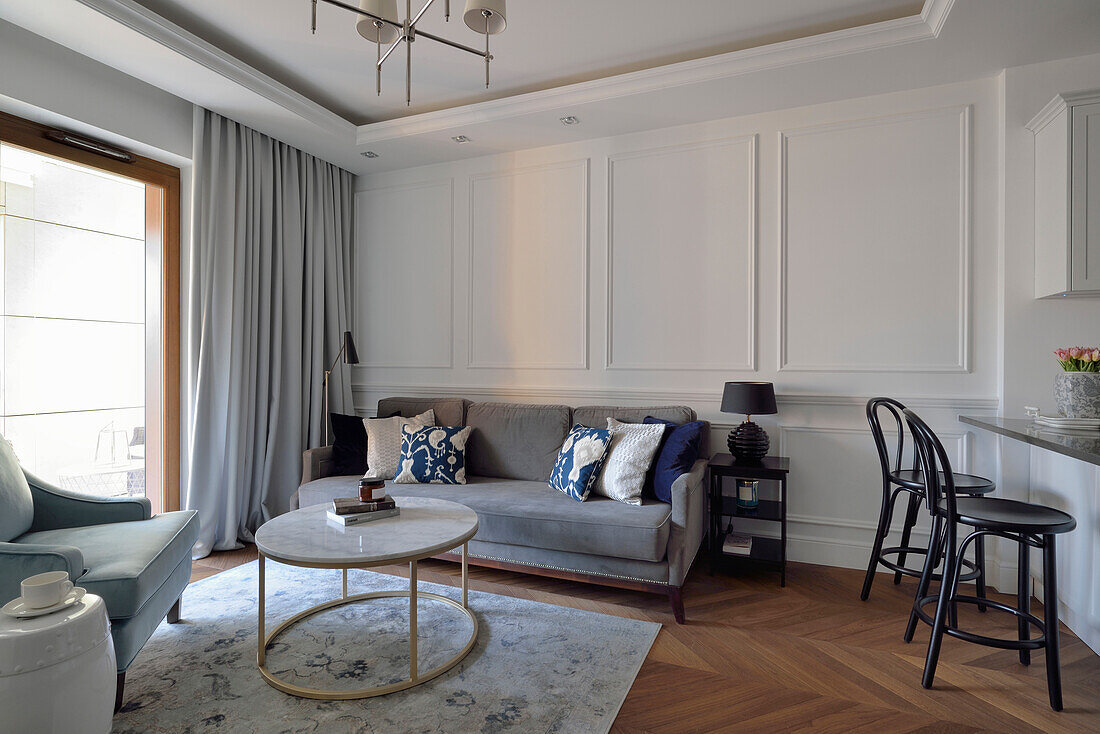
358, 518
737, 543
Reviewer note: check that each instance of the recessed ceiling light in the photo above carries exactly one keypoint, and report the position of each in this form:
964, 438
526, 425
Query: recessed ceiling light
570, 120
460, 139
369, 154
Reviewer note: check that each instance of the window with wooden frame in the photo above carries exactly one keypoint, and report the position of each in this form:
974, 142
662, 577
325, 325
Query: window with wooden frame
90, 303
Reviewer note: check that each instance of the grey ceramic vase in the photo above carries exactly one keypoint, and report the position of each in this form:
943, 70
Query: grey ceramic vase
1077, 394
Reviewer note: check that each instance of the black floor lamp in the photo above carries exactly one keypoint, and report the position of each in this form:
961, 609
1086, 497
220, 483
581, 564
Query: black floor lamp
347, 351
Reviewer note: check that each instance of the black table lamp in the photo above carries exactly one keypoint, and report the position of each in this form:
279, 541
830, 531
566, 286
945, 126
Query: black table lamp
748, 442
350, 356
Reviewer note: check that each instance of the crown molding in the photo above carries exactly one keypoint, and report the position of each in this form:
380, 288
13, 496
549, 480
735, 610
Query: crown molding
171, 36
1059, 103
870, 37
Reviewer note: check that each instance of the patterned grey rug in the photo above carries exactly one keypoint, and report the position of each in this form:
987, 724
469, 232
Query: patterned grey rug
535, 668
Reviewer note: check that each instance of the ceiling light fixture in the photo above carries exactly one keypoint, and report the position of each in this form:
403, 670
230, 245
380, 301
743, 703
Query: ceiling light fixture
369, 154
379, 24
570, 120
460, 139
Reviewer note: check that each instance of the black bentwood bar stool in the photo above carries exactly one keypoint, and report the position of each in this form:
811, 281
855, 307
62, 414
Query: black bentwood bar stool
1032, 526
895, 481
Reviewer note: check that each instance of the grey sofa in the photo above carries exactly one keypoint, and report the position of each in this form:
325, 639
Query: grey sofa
526, 525
139, 564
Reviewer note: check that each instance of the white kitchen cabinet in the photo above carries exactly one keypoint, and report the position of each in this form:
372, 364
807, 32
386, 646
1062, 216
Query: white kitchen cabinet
1067, 196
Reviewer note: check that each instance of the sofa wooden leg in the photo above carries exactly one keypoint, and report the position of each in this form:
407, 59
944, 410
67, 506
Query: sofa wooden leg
120, 689
676, 598
174, 612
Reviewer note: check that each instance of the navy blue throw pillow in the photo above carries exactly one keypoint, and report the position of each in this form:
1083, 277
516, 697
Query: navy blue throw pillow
676, 455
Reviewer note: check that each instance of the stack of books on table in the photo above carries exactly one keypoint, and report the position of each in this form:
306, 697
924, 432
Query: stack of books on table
353, 511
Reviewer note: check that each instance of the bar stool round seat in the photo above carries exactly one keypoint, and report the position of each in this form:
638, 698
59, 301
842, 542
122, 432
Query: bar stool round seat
1028, 525
970, 484
996, 513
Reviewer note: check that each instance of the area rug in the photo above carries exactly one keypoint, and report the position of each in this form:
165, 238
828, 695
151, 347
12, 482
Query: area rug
535, 668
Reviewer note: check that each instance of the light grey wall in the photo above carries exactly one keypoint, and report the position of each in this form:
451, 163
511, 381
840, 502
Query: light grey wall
42, 74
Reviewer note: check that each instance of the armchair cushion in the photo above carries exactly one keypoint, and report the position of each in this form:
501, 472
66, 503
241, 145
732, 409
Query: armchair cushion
16, 505
126, 562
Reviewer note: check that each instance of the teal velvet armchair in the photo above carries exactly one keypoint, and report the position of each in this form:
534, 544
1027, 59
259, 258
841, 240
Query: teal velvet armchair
139, 564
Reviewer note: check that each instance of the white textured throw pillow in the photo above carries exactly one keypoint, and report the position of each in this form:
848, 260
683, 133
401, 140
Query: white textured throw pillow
384, 441
633, 446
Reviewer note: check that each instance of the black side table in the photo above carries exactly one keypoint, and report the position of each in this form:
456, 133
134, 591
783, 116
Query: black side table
765, 551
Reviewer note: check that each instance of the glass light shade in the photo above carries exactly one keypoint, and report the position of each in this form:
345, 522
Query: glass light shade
384, 9
476, 20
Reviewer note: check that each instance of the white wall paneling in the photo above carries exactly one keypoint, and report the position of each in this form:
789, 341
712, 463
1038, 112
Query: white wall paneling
835, 490
403, 269
659, 253
682, 220
874, 238
528, 287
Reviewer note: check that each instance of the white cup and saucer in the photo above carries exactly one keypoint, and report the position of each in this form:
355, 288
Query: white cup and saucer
44, 593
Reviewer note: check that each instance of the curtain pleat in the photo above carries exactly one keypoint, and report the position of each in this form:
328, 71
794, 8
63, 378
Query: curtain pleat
269, 302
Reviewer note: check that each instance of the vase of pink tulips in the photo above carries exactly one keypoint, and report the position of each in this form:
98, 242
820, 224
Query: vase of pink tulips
1077, 386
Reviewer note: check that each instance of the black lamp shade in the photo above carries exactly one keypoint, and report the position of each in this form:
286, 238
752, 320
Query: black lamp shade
350, 355
750, 398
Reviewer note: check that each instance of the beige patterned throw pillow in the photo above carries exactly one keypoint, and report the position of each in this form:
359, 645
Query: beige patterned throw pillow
633, 446
384, 441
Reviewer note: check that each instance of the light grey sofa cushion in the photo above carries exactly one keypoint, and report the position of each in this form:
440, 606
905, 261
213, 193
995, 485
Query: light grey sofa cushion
515, 441
617, 568
448, 411
530, 513
595, 416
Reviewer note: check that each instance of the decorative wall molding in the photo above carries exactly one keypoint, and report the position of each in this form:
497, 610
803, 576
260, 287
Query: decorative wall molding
171, 36
925, 26
962, 365
584, 245
963, 440
416, 186
753, 206
654, 396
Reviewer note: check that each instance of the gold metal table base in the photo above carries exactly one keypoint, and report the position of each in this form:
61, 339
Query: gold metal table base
415, 677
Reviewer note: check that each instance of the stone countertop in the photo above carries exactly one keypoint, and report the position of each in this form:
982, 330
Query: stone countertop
1082, 445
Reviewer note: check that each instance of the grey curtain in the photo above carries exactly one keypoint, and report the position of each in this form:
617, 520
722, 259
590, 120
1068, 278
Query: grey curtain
269, 285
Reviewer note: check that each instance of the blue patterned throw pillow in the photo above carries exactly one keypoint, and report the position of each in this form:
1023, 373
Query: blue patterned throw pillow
433, 455
580, 460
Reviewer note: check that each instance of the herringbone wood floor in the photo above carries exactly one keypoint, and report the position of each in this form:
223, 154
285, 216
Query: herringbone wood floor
811, 657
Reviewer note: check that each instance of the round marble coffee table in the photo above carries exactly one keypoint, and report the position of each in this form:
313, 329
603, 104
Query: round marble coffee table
307, 538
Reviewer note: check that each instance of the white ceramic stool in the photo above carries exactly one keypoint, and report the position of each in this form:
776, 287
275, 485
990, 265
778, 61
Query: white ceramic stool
57, 671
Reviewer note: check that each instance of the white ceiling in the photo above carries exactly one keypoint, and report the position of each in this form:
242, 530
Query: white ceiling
948, 41
546, 44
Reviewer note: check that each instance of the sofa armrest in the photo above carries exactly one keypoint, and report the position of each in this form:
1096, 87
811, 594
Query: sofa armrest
688, 522
20, 560
56, 508
316, 463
